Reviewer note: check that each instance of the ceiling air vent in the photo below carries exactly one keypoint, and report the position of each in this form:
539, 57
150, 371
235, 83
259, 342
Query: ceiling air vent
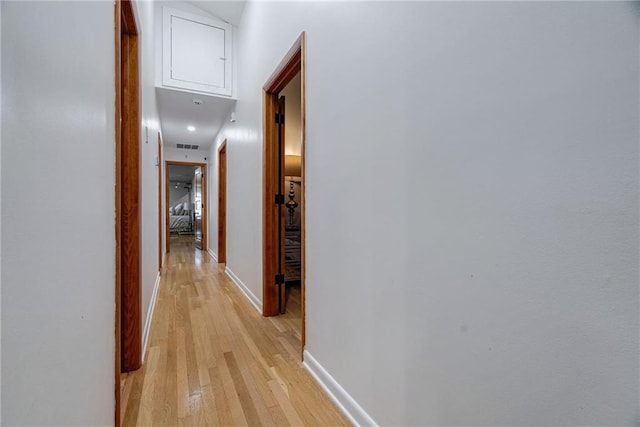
187, 146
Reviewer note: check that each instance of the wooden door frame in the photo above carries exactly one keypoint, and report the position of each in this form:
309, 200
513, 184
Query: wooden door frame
205, 202
292, 64
159, 203
128, 327
222, 203
281, 145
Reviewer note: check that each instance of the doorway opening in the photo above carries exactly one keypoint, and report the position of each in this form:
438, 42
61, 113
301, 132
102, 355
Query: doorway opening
128, 321
284, 191
186, 205
222, 203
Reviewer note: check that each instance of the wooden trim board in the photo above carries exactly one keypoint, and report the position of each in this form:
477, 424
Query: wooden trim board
128, 339
303, 192
165, 210
292, 63
205, 208
222, 203
159, 202
205, 201
288, 68
118, 225
131, 316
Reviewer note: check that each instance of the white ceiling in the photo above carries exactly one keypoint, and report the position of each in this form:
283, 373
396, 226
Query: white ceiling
230, 11
177, 112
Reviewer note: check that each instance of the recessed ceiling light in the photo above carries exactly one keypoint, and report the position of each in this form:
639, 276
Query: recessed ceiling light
191, 128
198, 101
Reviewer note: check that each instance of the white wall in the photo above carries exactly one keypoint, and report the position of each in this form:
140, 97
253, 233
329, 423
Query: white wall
292, 127
187, 156
0, 209
150, 126
472, 204
57, 213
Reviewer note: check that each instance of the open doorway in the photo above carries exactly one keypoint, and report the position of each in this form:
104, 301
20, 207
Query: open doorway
291, 295
128, 326
284, 207
222, 203
186, 208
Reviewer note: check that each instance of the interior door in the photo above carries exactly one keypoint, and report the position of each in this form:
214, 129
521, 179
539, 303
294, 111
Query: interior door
222, 203
282, 286
198, 208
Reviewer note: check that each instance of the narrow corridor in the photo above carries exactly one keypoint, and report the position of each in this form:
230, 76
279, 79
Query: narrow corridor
213, 360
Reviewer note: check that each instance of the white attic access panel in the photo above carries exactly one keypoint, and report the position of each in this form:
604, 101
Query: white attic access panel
196, 53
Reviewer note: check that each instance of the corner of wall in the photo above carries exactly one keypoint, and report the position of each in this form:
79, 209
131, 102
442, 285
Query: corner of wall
212, 254
255, 301
347, 404
150, 311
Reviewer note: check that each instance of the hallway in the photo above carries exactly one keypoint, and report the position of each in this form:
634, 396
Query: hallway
213, 360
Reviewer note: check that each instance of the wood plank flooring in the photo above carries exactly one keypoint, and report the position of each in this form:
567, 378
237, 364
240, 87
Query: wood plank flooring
292, 319
213, 360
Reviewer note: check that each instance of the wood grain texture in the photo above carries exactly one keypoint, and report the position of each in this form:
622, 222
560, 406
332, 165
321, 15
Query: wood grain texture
165, 209
303, 192
287, 69
282, 292
270, 210
128, 18
290, 322
159, 203
222, 203
212, 360
118, 203
131, 318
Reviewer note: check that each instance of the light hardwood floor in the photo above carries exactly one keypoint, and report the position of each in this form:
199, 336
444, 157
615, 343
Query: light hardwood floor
213, 360
291, 321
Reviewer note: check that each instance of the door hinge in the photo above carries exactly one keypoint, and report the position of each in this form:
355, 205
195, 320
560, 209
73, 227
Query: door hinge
279, 118
279, 279
279, 199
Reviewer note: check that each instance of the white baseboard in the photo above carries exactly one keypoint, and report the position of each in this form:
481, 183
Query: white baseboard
212, 254
252, 298
147, 323
349, 407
